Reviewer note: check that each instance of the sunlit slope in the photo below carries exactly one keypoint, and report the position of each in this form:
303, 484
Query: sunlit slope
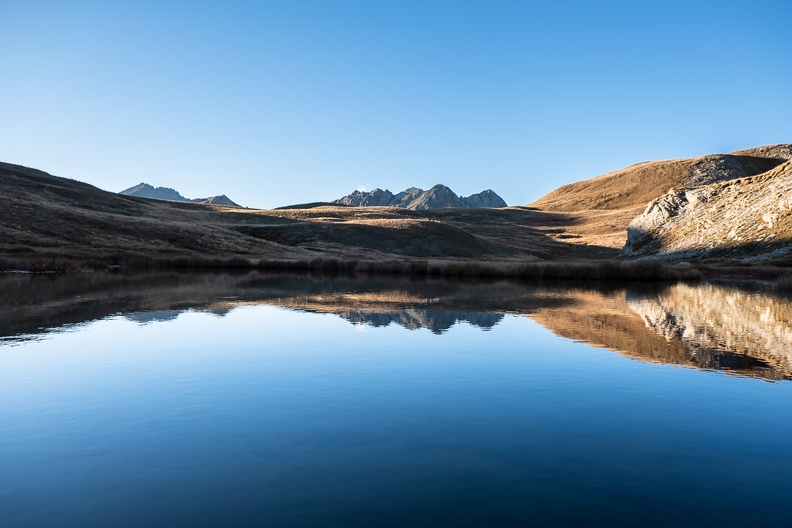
639, 184
604, 206
742, 218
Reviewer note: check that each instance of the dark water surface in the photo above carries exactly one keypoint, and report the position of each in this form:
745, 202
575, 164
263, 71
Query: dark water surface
255, 400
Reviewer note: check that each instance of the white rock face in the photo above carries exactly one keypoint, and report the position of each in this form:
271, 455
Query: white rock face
743, 218
417, 199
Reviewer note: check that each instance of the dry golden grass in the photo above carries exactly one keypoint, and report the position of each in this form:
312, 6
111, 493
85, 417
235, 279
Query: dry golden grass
54, 223
51, 223
603, 207
639, 184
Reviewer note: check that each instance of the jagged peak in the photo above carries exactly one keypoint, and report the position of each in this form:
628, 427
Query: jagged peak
437, 197
145, 190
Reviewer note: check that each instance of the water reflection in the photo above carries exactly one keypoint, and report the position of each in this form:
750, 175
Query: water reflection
723, 328
736, 330
414, 318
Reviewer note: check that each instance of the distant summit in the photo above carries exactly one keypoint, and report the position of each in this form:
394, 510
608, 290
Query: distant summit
144, 190
438, 197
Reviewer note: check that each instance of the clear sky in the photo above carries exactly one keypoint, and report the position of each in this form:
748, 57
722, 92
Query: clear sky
289, 101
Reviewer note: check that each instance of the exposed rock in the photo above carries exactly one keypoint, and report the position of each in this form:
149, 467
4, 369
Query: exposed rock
782, 152
486, 198
144, 190
216, 200
721, 167
744, 218
437, 197
367, 198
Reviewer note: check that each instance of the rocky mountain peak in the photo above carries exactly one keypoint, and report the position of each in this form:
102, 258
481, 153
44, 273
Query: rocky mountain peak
144, 190
438, 197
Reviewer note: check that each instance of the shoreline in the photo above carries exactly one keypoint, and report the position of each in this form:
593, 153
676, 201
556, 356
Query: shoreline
646, 270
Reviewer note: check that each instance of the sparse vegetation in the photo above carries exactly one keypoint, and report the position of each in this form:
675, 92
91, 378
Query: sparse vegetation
56, 225
646, 270
785, 281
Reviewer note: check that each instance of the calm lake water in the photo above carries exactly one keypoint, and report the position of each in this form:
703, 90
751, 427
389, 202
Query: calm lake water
260, 400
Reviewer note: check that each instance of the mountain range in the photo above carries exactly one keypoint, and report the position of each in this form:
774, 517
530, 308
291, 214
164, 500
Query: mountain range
733, 207
144, 190
438, 197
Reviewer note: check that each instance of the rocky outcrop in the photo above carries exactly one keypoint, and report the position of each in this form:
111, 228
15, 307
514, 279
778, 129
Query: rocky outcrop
216, 200
438, 197
782, 152
748, 218
144, 190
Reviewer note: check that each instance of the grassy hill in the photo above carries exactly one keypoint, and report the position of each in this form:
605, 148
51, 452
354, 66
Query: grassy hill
50, 223
605, 205
56, 219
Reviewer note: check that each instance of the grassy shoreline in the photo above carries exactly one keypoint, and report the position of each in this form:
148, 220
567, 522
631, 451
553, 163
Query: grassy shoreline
599, 270
778, 274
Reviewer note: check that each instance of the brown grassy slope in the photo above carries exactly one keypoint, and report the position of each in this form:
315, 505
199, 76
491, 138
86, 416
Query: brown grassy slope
605, 205
639, 184
509, 233
42, 214
50, 215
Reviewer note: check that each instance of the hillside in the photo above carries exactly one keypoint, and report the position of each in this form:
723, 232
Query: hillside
747, 218
722, 208
438, 197
639, 184
53, 217
48, 215
603, 207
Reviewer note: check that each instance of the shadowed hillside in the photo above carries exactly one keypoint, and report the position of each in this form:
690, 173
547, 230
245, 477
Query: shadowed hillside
49, 220
48, 216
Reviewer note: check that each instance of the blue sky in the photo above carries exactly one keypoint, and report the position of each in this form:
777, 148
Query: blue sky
282, 102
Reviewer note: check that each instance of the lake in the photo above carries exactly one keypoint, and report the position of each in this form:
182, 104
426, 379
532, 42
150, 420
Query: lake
283, 400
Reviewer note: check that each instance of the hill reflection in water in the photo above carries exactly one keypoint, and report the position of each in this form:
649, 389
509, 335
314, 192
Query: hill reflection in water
741, 331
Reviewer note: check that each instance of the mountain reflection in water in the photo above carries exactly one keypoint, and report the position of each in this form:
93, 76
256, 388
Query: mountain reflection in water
731, 329
414, 318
